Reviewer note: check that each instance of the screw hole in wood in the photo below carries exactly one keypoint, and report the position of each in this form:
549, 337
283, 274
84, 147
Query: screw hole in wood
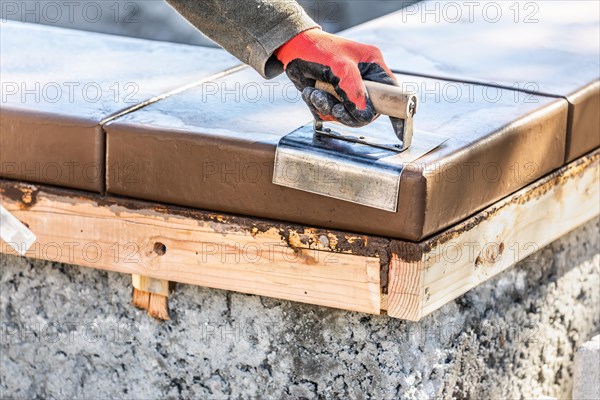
160, 248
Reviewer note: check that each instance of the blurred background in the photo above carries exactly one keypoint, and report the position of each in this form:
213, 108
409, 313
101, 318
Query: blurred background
154, 19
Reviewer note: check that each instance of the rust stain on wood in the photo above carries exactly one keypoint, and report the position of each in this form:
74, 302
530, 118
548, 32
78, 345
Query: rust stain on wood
25, 195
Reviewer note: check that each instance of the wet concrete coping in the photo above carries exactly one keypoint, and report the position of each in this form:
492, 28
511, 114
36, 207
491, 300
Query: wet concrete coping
139, 172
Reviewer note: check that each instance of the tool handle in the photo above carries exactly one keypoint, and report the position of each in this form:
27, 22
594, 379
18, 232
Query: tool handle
387, 99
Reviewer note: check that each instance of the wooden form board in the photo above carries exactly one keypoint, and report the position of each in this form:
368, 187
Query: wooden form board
310, 265
425, 276
199, 248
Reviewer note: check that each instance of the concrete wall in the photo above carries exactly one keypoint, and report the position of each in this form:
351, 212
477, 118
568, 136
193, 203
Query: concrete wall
69, 332
586, 372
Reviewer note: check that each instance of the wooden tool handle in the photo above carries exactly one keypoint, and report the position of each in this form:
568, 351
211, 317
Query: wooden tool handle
387, 99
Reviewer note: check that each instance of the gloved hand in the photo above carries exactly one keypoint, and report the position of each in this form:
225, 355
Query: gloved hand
316, 55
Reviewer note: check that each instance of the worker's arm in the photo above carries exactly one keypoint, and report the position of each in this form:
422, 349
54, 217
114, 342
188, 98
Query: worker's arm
273, 35
251, 30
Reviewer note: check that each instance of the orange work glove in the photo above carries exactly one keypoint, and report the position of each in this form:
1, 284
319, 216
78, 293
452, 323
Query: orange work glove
316, 55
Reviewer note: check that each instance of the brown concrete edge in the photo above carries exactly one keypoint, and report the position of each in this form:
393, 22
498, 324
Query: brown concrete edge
247, 196
543, 129
52, 149
75, 153
583, 131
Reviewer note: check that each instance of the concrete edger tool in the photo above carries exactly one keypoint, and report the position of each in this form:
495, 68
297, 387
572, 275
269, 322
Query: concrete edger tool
348, 165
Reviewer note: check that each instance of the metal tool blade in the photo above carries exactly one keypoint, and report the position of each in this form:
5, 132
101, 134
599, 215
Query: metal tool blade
349, 170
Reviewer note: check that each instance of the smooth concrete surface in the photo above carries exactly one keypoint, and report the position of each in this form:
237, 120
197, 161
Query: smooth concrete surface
70, 332
156, 20
144, 19
213, 147
59, 84
548, 47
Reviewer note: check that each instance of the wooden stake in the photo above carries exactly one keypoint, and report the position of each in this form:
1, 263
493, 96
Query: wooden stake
140, 299
158, 307
151, 294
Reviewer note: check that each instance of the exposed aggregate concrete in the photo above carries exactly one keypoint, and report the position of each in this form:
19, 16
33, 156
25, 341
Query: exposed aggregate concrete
70, 332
